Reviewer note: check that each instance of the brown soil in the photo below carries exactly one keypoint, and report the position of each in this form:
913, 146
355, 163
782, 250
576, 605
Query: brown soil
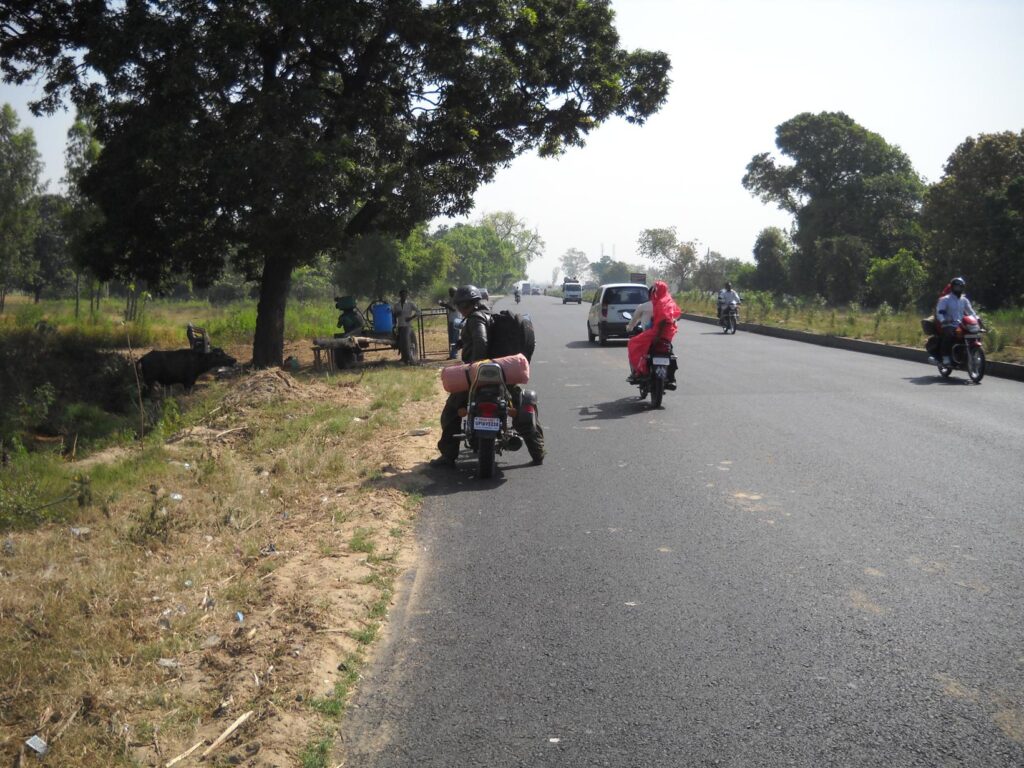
305, 590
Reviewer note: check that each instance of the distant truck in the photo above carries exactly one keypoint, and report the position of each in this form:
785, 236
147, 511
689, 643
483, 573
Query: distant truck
524, 289
572, 291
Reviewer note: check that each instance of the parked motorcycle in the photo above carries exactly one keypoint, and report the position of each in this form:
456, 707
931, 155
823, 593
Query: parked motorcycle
497, 417
729, 316
967, 353
661, 368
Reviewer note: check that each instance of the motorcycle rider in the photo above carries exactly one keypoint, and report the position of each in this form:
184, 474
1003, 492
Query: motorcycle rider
643, 315
726, 295
949, 312
473, 341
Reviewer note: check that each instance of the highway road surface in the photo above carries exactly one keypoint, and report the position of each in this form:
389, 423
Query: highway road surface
808, 557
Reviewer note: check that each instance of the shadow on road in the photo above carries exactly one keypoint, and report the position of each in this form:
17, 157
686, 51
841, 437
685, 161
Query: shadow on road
615, 409
579, 344
935, 379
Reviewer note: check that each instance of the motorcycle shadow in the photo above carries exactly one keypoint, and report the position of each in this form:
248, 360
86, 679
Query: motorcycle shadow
934, 378
622, 408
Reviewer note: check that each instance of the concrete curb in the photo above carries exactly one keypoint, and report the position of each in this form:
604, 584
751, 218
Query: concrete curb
1000, 370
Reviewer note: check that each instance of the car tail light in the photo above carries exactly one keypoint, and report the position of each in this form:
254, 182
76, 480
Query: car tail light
604, 310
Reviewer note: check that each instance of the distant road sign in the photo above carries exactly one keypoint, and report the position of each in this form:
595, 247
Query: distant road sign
638, 277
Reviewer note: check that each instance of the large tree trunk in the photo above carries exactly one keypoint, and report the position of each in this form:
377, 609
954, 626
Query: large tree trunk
268, 343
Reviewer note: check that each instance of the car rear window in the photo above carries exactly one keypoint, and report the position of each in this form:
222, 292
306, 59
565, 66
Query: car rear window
625, 296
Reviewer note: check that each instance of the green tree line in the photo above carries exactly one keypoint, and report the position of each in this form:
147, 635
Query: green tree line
264, 135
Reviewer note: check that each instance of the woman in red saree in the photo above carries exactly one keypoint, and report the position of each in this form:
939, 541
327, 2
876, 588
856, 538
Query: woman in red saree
666, 312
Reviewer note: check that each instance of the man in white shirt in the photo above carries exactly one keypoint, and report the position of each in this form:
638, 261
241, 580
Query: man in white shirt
643, 315
949, 312
726, 295
405, 312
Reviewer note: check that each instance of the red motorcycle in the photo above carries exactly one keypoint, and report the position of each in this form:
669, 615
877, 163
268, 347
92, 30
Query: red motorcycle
967, 353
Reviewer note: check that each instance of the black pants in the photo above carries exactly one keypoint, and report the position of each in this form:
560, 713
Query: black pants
451, 425
948, 337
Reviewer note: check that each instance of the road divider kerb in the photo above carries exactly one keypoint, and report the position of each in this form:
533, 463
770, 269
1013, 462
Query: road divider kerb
992, 368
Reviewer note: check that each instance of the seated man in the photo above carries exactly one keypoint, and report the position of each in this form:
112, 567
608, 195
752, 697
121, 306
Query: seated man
726, 295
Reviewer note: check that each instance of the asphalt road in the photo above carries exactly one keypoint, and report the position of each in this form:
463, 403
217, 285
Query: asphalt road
808, 557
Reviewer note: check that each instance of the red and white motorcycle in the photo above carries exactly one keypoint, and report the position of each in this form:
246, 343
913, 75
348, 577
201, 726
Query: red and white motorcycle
967, 353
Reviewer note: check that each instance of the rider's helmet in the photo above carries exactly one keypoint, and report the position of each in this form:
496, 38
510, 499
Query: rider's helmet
467, 294
728, 286
957, 285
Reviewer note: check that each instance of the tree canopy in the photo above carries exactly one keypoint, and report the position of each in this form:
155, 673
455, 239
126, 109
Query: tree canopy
676, 259
974, 217
772, 252
574, 263
20, 167
271, 131
853, 196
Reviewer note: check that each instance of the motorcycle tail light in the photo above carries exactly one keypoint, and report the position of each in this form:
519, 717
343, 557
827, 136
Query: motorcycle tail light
529, 408
487, 410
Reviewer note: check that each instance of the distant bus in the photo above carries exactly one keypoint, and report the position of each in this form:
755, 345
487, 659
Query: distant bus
524, 288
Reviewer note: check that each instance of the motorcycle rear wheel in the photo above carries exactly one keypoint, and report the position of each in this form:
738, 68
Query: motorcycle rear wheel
485, 459
657, 391
976, 364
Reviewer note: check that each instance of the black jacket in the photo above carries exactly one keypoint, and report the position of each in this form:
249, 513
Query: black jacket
474, 335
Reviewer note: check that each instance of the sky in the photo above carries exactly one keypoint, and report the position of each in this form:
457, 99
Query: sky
924, 74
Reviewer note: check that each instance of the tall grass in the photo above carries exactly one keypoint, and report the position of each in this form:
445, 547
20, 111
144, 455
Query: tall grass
1005, 340
162, 321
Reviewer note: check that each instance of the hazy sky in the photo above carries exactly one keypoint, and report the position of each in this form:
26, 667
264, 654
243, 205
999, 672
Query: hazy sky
924, 74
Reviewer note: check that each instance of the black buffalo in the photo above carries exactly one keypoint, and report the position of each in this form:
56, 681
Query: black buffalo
180, 366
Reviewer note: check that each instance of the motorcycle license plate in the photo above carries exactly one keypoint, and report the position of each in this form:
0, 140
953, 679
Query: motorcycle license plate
661, 361
486, 424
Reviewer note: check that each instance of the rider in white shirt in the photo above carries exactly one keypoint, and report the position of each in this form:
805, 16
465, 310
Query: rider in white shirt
726, 295
949, 312
643, 315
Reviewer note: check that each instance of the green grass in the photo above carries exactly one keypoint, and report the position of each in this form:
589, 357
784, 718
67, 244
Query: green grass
316, 753
361, 541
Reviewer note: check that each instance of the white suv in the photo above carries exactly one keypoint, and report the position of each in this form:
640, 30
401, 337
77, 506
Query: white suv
605, 319
572, 292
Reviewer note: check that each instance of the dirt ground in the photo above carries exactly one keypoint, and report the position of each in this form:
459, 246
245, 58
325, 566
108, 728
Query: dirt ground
311, 558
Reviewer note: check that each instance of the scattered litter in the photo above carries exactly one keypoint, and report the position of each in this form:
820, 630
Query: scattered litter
167, 663
176, 497
418, 432
239, 617
631, 605
182, 464
208, 538
188, 583
211, 641
37, 745
164, 623
265, 473
9, 547
554, 740
80, 533
356, 418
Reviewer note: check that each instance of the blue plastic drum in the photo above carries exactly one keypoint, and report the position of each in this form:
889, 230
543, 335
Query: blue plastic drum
382, 320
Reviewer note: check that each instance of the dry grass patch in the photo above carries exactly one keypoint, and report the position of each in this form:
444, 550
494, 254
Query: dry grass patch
243, 566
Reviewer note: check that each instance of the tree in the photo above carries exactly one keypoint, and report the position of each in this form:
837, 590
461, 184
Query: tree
974, 218
378, 265
898, 281
676, 259
82, 216
574, 263
50, 264
844, 182
481, 257
709, 275
607, 270
20, 167
269, 132
772, 251
524, 244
